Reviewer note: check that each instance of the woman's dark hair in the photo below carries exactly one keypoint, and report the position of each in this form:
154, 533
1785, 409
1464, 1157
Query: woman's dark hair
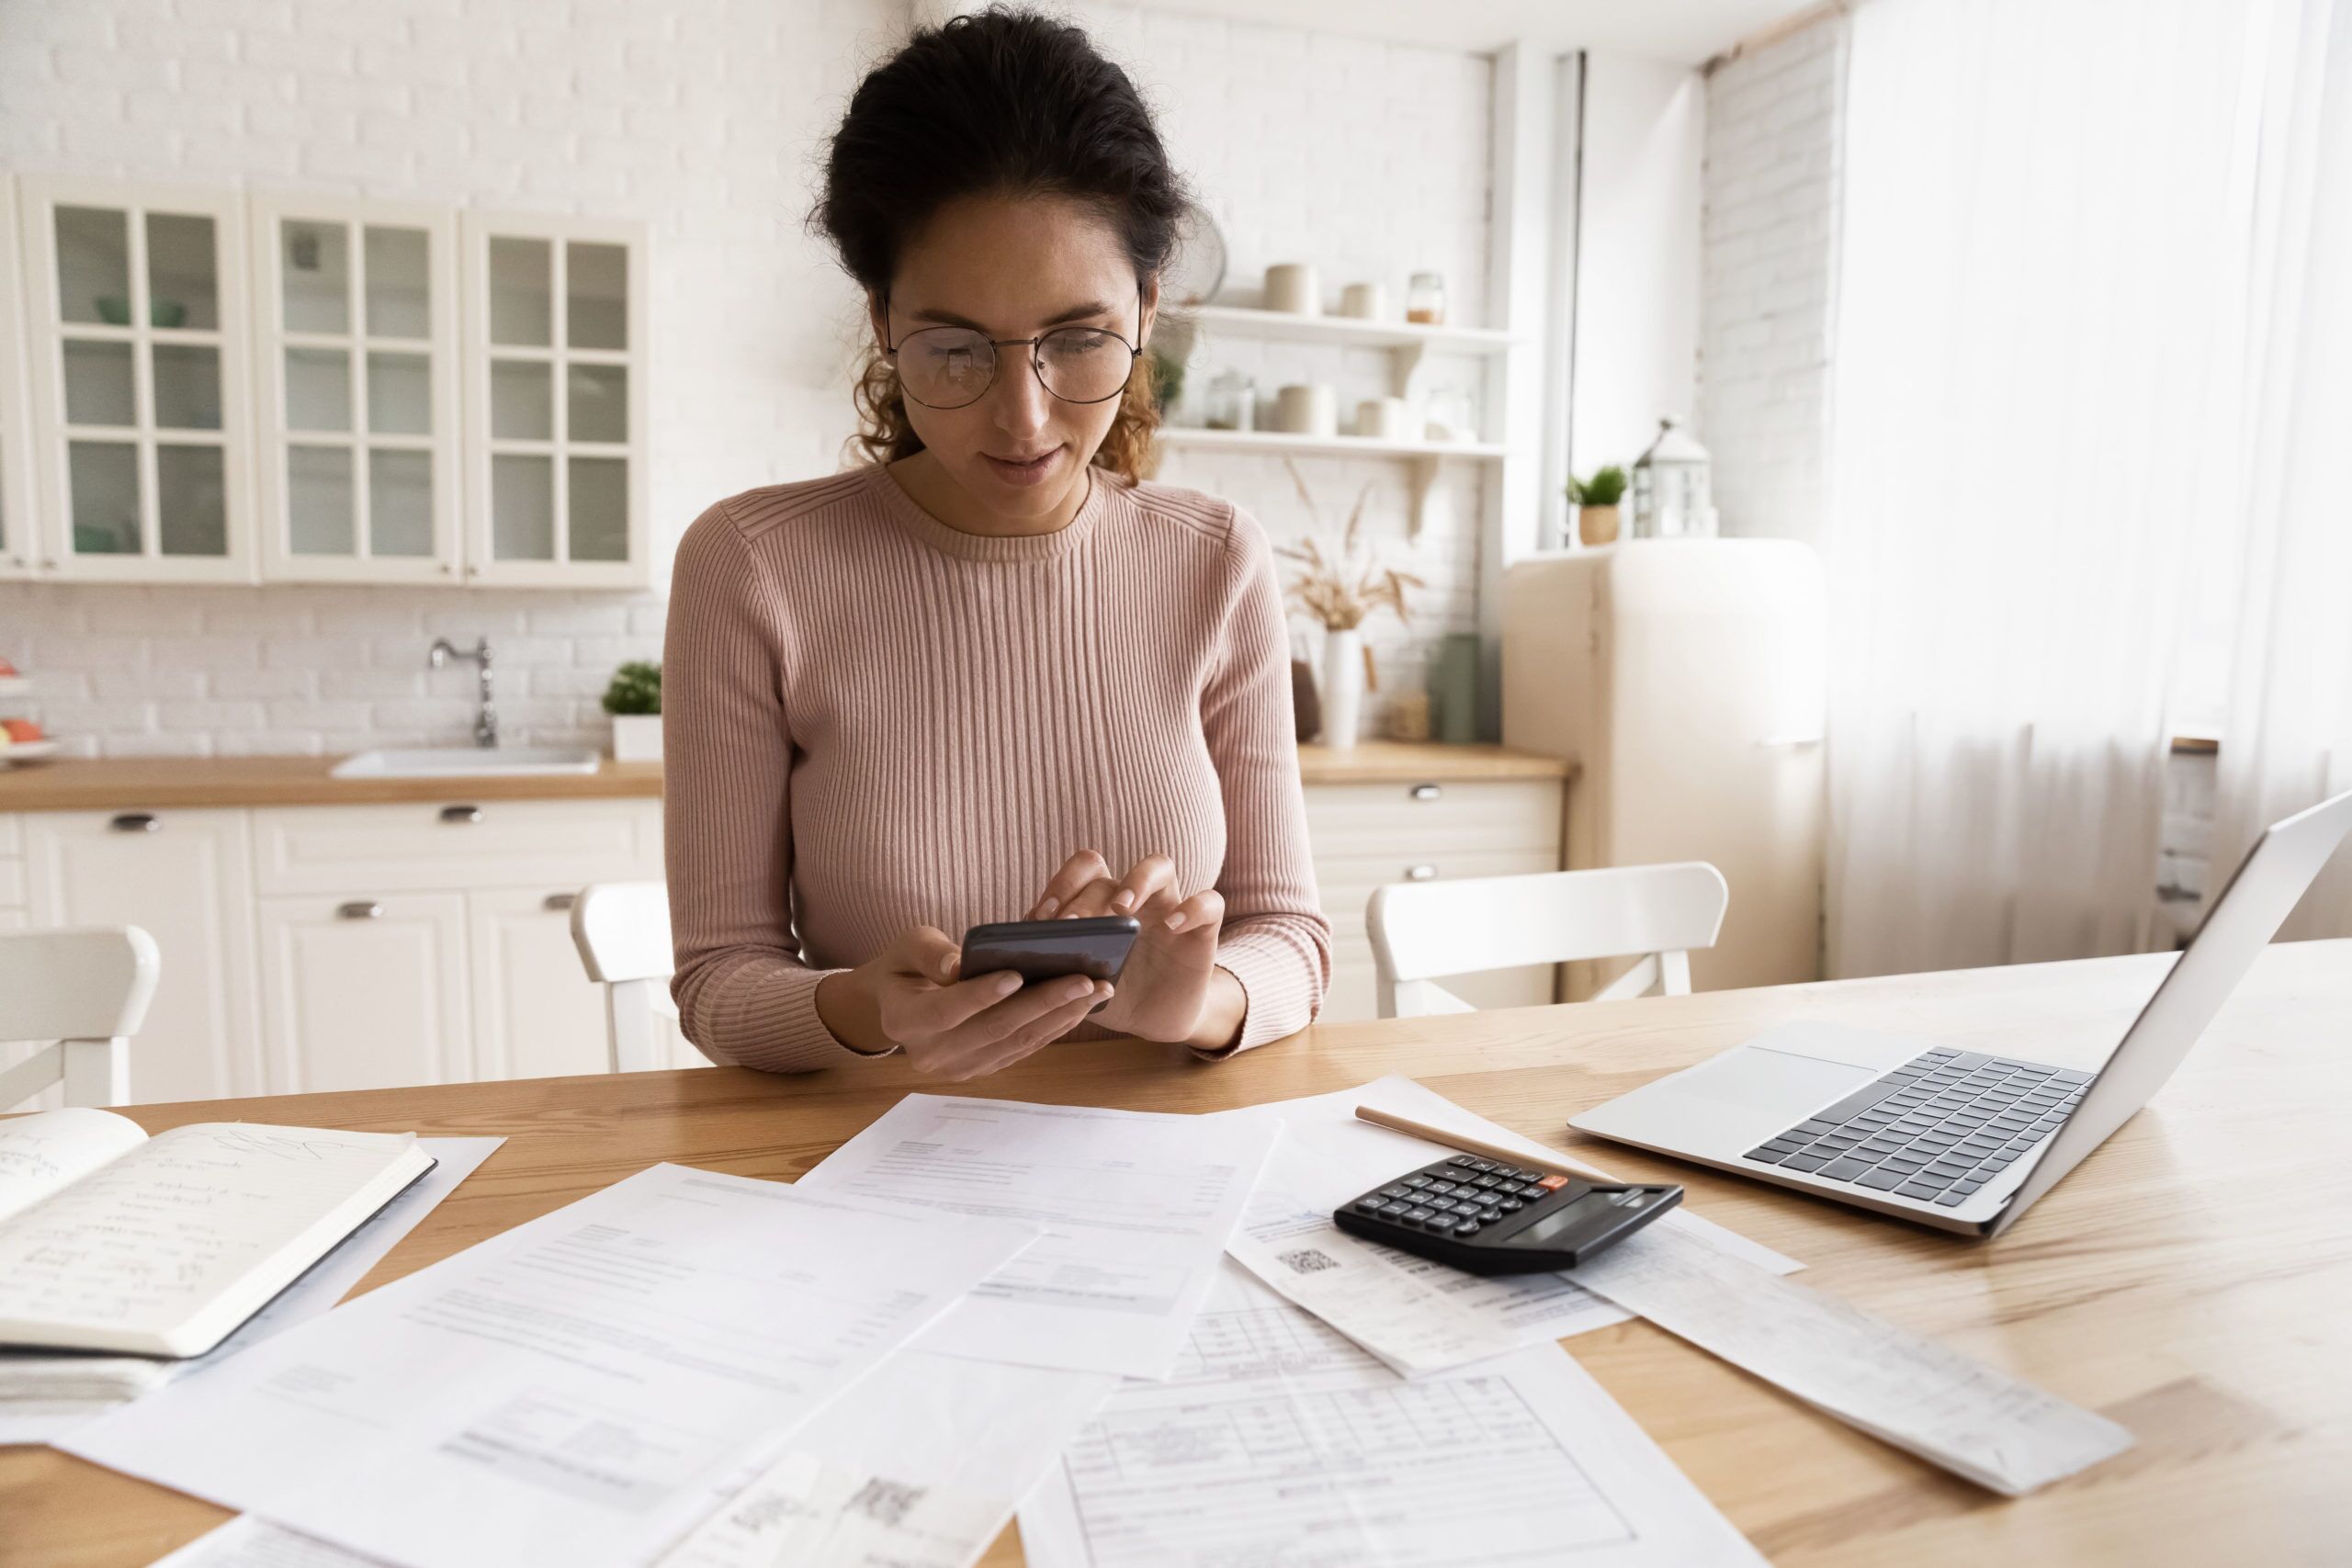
1004, 102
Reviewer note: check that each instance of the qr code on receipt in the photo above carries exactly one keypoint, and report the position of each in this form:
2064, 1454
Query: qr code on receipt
1307, 1260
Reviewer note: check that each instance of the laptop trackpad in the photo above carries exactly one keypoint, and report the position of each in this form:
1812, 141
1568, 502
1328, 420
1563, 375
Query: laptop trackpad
1773, 1084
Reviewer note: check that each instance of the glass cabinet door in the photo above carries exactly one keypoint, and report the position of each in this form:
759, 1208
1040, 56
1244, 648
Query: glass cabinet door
357, 350
555, 363
137, 350
19, 551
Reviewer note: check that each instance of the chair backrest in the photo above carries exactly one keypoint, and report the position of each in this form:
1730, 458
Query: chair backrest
81, 994
1470, 925
622, 930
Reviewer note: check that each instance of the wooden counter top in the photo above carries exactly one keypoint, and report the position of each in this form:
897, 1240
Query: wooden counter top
124, 783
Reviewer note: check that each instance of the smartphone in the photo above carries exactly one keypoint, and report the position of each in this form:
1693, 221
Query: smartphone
1040, 950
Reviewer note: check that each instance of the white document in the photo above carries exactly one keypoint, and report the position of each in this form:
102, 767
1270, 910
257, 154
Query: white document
48, 1152
1950, 1409
43, 1396
1278, 1441
918, 1465
577, 1390
1417, 1315
1136, 1207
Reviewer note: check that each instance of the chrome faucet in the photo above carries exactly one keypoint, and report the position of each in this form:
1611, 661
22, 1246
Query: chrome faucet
486, 721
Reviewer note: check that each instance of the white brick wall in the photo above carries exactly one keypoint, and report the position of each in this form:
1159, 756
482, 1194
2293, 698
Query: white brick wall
705, 120
1768, 249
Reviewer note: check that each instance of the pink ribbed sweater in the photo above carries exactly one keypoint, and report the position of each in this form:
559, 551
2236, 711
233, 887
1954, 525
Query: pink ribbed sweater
872, 720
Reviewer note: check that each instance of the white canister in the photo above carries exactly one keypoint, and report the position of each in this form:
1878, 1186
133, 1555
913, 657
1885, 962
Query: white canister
1342, 686
1367, 302
1308, 408
1384, 419
1293, 287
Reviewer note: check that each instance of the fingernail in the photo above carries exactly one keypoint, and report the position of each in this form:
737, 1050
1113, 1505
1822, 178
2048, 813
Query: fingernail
1045, 910
1008, 985
1123, 899
1176, 921
947, 968
1084, 987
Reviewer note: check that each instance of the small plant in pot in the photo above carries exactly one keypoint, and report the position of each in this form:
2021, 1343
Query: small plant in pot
1596, 501
634, 699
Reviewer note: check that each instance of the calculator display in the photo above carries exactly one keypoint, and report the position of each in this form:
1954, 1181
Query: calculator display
1561, 1221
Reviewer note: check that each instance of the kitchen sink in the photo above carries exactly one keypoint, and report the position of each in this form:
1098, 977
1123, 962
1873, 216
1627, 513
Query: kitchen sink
466, 762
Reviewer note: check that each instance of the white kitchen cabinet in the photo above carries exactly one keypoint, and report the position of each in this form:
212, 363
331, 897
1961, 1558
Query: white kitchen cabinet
186, 877
136, 335
355, 361
555, 402
536, 1013
1366, 835
365, 992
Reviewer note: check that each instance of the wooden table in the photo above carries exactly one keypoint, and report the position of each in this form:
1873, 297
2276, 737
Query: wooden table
2189, 1279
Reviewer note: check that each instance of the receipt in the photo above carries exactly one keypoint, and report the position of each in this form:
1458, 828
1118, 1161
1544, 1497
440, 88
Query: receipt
1950, 1409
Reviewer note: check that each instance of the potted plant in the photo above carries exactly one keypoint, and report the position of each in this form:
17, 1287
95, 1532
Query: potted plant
1596, 501
1340, 589
634, 699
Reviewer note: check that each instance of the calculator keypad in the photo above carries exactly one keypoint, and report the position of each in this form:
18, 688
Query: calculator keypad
1459, 1196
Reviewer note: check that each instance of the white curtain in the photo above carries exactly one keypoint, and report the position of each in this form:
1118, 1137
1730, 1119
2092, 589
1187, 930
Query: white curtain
2035, 386
2287, 731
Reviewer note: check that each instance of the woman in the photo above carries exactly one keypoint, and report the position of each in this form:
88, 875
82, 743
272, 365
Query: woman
992, 675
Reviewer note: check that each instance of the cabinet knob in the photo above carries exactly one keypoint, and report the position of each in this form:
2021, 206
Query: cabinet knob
466, 814
136, 822
359, 909
1426, 792
1420, 873
559, 902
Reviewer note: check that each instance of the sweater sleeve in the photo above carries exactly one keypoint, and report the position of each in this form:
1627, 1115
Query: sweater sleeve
744, 997
1275, 940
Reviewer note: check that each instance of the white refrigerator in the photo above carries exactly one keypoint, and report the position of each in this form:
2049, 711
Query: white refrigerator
1686, 678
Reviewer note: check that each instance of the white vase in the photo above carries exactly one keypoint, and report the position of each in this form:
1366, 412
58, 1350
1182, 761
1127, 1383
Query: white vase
636, 738
1342, 686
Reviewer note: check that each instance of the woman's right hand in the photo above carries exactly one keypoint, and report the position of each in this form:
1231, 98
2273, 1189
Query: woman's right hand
912, 997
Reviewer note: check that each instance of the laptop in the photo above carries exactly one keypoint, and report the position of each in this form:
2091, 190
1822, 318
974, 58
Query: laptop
1963, 1141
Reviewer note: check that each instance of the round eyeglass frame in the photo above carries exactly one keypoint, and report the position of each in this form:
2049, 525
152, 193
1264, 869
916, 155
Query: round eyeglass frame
1036, 365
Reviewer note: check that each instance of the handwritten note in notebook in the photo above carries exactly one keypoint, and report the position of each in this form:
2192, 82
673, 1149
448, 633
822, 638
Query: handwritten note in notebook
166, 1245
1950, 1409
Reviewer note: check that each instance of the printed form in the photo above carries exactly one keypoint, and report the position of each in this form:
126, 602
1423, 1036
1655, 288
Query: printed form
1136, 1207
1417, 1315
578, 1390
918, 1465
1277, 1440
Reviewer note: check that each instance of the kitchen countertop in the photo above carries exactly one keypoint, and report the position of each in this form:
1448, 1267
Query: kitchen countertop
112, 784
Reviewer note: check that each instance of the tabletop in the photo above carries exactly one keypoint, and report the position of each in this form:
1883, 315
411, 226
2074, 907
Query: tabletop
2187, 1280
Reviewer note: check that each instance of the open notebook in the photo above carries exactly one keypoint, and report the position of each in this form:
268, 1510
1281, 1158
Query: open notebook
112, 1240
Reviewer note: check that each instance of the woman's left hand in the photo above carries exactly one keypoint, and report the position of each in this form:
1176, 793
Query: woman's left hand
1170, 988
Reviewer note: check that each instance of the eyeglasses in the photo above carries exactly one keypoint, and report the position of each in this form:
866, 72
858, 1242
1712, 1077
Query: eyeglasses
951, 367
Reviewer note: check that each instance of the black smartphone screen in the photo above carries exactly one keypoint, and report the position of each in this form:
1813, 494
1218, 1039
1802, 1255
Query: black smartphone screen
1040, 950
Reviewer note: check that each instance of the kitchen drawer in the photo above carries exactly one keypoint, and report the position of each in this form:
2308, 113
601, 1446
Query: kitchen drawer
12, 836
558, 843
12, 885
1346, 885
1424, 821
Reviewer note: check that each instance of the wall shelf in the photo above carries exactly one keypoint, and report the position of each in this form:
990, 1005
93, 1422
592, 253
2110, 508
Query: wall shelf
1352, 332
1424, 456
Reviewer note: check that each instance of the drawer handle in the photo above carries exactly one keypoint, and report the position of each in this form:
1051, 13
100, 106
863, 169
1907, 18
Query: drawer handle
136, 822
1420, 873
359, 910
466, 814
559, 902
1426, 792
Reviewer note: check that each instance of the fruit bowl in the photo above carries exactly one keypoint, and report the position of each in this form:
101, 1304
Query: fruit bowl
28, 751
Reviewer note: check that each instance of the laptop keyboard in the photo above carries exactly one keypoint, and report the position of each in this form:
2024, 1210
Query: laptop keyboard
1936, 1128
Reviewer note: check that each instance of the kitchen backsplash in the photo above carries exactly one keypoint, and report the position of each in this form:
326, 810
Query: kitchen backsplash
236, 671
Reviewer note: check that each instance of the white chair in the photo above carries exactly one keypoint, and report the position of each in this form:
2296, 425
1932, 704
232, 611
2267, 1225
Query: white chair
622, 930
1477, 923
80, 995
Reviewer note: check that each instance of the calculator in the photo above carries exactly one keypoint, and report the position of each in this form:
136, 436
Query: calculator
1488, 1216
